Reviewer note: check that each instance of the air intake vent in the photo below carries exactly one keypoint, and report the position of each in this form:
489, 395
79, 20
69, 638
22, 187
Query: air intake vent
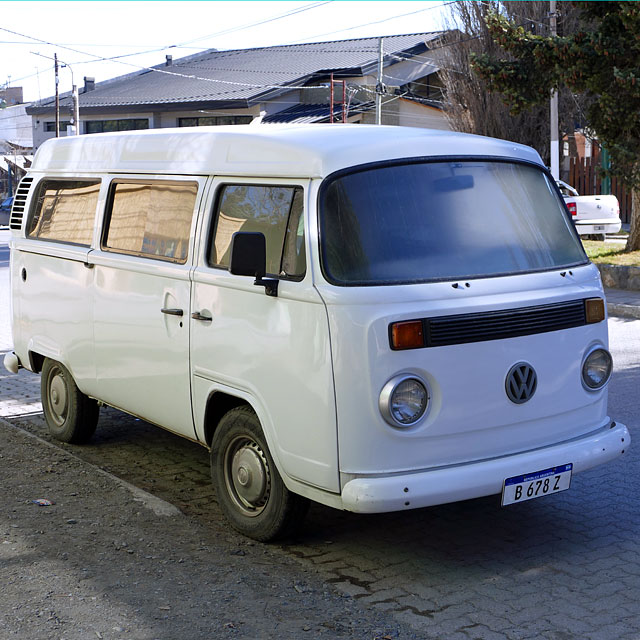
19, 203
490, 325
498, 325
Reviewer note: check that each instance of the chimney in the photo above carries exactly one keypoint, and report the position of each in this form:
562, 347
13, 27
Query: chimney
89, 84
169, 61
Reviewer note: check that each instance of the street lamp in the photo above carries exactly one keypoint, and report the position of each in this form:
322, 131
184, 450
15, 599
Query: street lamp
74, 95
76, 101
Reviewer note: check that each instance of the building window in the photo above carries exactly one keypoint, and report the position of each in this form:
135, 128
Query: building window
64, 211
213, 121
276, 212
128, 124
51, 126
151, 219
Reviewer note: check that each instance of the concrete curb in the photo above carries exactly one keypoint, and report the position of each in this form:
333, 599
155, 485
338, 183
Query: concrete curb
159, 506
623, 310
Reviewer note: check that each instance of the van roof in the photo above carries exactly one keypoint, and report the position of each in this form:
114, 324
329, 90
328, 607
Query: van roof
314, 150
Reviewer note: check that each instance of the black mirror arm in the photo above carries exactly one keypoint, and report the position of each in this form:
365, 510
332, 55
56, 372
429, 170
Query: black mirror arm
270, 286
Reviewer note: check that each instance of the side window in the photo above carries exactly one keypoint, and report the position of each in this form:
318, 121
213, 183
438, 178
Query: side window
276, 212
150, 219
65, 211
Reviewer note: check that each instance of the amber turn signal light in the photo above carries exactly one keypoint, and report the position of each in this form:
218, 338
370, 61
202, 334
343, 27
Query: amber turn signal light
407, 335
594, 308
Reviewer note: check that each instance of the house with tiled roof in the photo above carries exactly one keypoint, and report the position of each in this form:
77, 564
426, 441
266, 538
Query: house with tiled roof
319, 82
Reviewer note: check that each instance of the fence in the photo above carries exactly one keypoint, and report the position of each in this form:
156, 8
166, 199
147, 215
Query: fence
585, 177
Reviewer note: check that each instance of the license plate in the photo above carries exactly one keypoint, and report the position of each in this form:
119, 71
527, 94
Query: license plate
537, 484
598, 227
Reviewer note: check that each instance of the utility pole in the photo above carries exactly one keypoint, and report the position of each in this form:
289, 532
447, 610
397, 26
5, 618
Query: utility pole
76, 108
555, 145
55, 64
331, 99
379, 85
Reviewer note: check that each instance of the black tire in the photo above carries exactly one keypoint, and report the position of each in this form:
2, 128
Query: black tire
71, 416
250, 490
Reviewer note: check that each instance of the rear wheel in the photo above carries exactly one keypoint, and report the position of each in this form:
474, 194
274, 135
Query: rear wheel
71, 416
250, 490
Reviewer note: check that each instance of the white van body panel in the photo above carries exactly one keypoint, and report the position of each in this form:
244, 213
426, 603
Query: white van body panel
276, 351
471, 417
57, 281
312, 361
291, 380
271, 151
142, 354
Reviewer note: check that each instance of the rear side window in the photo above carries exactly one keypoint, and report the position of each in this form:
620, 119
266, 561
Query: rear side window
65, 211
276, 212
151, 219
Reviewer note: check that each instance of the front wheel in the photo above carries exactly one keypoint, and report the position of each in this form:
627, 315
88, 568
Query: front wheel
250, 490
71, 415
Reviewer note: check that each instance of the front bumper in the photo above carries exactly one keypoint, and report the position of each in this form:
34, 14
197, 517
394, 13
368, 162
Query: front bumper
473, 480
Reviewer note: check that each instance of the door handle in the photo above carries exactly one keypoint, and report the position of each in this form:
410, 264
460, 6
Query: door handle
196, 315
173, 312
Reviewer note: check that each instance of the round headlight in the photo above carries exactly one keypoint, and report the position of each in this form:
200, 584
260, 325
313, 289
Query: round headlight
596, 369
403, 401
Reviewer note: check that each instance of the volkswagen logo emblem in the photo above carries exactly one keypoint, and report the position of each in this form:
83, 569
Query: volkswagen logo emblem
521, 383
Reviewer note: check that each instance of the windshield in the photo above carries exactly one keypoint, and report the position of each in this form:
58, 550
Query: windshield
430, 221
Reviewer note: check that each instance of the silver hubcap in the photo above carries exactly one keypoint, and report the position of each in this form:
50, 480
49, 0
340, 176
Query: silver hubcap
247, 476
58, 397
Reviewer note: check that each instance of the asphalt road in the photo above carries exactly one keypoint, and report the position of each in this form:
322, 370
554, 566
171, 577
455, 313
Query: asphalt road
564, 567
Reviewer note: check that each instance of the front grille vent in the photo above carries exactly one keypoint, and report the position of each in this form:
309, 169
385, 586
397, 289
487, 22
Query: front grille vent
19, 203
498, 325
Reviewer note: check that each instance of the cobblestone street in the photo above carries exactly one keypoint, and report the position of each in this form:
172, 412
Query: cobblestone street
563, 567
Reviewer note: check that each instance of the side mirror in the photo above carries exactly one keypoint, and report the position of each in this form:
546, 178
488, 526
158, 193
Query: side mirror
248, 257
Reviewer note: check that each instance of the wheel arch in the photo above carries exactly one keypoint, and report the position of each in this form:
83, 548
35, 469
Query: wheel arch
221, 401
36, 360
41, 347
218, 404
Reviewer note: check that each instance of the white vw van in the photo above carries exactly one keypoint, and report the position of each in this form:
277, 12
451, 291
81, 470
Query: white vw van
375, 318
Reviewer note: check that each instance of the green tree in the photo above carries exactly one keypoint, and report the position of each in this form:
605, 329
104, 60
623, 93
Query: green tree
602, 59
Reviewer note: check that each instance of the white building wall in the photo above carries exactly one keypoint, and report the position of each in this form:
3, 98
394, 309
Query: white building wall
290, 99
15, 126
413, 114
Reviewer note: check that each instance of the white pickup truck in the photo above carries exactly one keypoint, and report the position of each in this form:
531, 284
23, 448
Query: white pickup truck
592, 215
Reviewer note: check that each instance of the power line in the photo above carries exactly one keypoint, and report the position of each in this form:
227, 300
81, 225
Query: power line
292, 12
97, 58
164, 71
368, 24
31, 75
241, 84
247, 85
118, 59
